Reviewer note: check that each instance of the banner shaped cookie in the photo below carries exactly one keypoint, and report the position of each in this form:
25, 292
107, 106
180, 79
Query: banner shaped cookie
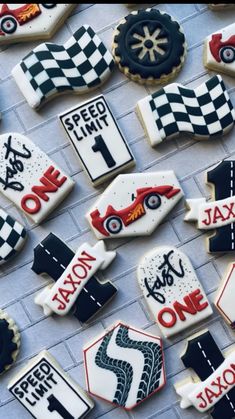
10, 342
76, 288
172, 290
97, 139
203, 112
81, 64
134, 204
48, 392
29, 178
124, 366
224, 301
219, 214
215, 394
31, 21
12, 237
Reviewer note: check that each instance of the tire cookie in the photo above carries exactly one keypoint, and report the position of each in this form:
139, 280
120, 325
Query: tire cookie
10, 342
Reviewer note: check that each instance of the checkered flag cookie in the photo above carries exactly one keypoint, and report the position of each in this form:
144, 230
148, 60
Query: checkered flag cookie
12, 236
82, 63
204, 112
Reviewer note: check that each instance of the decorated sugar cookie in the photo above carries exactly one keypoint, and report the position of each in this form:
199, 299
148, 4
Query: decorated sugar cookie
134, 204
81, 64
218, 215
203, 112
29, 178
9, 342
124, 366
215, 393
172, 290
224, 301
48, 392
149, 46
76, 288
12, 236
97, 139
31, 21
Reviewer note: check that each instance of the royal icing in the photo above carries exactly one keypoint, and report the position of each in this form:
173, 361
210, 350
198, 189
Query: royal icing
134, 204
29, 178
172, 290
216, 390
24, 22
219, 214
97, 139
224, 301
203, 112
124, 366
10, 342
149, 46
12, 237
81, 64
47, 392
76, 288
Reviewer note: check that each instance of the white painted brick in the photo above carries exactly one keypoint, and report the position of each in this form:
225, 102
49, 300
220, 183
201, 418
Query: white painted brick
208, 276
179, 12
132, 314
125, 98
17, 313
10, 123
10, 94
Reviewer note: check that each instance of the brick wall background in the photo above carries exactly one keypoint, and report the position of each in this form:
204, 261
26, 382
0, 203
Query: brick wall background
65, 337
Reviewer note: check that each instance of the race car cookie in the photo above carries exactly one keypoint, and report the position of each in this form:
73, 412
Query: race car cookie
9, 342
224, 301
149, 46
134, 204
12, 236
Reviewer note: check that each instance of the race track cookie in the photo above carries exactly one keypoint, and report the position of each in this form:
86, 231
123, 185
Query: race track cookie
224, 301
48, 392
134, 204
203, 112
29, 178
124, 366
76, 288
172, 290
9, 342
97, 139
218, 215
31, 21
12, 236
219, 51
215, 393
81, 64
149, 46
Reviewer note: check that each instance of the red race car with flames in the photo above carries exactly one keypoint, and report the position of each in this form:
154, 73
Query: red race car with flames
222, 50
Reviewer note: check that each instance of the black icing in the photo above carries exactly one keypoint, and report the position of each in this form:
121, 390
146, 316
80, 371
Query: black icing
7, 346
161, 64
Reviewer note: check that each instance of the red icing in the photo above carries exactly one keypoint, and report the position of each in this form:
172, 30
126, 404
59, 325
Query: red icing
216, 44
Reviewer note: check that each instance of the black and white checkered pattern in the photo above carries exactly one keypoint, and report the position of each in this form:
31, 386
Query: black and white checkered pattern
82, 63
205, 111
12, 236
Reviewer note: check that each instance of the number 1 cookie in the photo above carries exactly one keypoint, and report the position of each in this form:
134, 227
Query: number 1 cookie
9, 342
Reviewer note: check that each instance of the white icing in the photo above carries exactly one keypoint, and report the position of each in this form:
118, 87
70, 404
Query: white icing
224, 301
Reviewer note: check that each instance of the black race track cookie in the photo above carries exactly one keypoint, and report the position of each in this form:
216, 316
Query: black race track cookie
9, 342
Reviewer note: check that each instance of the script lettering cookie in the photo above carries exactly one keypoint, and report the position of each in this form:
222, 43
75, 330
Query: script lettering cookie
134, 204
218, 215
203, 112
224, 301
215, 393
31, 21
81, 64
29, 178
172, 290
76, 288
12, 236
124, 366
10, 342
48, 392
149, 46
97, 139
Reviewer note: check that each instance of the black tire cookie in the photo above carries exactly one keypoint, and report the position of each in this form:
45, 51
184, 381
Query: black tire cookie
9, 342
149, 46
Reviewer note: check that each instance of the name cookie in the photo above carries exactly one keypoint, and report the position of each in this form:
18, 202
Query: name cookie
124, 366
172, 290
81, 64
215, 393
12, 237
203, 112
97, 139
224, 301
31, 21
76, 288
10, 342
134, 204
218, 215
149, 46
29, 178
48, 392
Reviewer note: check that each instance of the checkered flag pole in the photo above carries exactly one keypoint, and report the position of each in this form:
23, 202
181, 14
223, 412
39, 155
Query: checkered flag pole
12, 236
203, 112
81, 64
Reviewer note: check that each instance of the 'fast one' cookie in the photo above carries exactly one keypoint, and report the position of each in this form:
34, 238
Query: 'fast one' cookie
9, 342
149, 46
12, 236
